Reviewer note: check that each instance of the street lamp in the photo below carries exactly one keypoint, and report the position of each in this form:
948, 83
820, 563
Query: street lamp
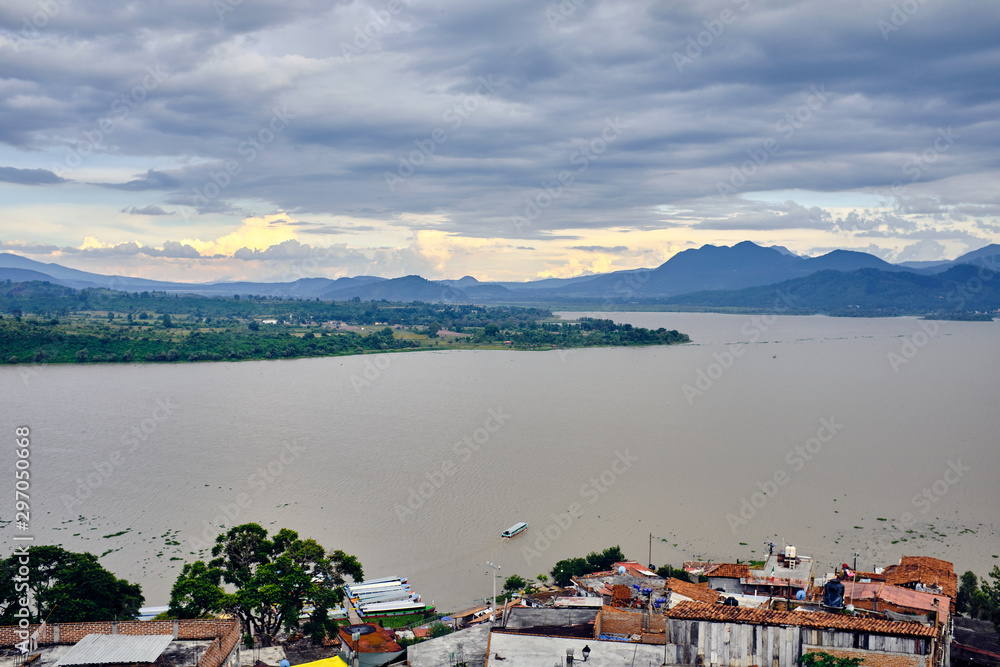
495, 568
585, 652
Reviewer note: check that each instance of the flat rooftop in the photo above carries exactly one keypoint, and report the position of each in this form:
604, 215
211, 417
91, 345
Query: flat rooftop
179, 653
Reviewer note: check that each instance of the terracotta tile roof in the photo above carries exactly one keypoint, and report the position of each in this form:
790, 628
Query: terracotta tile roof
701, 593
728, 570
924, 570
897, 595
700, 611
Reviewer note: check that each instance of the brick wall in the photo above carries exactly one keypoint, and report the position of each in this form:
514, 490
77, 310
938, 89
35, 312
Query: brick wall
872, 658
221, 647
70, 633
620, 622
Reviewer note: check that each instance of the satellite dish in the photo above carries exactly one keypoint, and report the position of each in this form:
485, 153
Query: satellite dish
285, 663
621, 569
800, 595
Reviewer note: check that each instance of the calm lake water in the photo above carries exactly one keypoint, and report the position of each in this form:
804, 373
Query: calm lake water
869, 435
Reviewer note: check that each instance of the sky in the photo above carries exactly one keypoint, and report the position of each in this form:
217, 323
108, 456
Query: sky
207, 140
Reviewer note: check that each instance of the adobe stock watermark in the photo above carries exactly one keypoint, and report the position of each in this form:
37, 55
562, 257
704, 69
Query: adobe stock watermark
374, 364
714, 27
248, 150
288, 452
30, 26
912, 345
796, 460
581, 158
901, 14
463, 450
922, 502
753, 329
917, 165
591, 490
365, 35
559, 12
131, 441
959, 296
785, 128
223, 7
121, 108
453, 119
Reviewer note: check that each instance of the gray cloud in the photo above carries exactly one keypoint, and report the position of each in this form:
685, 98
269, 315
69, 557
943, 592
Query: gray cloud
535, 142
29, 176
146, 210
600, 248
152, 180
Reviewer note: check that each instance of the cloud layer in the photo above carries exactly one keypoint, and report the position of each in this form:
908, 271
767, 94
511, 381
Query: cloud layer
573, 136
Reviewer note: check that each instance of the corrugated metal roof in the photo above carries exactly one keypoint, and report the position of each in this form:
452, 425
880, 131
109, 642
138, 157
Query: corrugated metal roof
113, 649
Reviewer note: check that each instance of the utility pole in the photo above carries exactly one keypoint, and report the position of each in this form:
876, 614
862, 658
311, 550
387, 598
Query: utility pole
650, 551
495, 569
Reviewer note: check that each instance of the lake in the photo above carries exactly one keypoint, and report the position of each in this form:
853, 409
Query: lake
837, 435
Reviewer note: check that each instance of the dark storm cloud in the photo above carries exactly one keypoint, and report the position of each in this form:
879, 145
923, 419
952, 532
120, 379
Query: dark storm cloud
29, 176
153, 180
483, 114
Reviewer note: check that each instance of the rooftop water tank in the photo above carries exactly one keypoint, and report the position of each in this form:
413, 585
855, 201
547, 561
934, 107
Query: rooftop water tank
790, 552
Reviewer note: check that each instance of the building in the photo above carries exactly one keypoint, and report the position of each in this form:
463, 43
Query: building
784, 574
925, 574
727, 577
724, 635
679, 591
183, 643
923, 607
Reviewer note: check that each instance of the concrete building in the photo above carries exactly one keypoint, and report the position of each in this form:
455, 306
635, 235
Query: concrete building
184, 643
783, 575
727, 577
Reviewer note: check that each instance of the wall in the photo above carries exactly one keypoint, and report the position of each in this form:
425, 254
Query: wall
227, 632
743, 645
728, 584
873, 658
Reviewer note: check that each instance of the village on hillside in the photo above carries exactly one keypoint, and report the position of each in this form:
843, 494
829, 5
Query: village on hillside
773, 612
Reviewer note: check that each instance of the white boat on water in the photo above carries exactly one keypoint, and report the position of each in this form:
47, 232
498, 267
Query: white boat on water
515, 529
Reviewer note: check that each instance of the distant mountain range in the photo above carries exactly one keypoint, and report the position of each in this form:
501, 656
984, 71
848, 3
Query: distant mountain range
743, 275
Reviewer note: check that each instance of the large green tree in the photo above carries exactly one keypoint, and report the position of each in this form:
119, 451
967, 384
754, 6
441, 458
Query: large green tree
65, 587
980, 598
197, 591
596, 561
275, 579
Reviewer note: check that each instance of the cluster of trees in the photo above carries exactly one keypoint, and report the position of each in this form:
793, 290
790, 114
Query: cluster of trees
48, 300
30, 341
980, 598
589, 332
266, 582
566, 569
222, 328
275, 579
64, 587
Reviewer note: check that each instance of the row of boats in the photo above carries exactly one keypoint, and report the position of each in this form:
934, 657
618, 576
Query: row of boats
388, 597
385, 597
